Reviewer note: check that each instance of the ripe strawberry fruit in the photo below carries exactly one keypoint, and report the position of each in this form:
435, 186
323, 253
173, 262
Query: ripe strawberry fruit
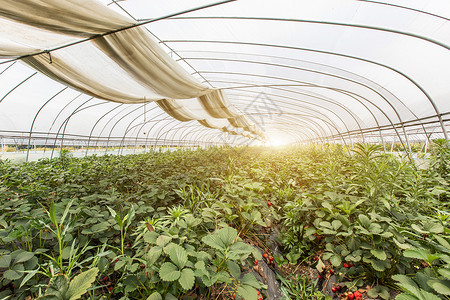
318, 276
331, 271
350, 296
269, 204
357, 295
334, 290
265, 255
271, 258
346, 265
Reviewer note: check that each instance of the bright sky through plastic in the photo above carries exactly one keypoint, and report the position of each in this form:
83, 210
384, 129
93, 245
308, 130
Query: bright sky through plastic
259, 54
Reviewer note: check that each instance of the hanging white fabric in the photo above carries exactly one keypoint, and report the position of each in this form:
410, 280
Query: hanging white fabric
138, 69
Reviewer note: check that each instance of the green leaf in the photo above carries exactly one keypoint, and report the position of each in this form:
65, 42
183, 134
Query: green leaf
80, 283
433, 227
336, 260
407, 284
155, 296
150, 237
442, 241
249, 279
378, 253
416, 253
187, 279
379, 265
28, 277
219, 240
12, 275
169, 296
222, 276
247, 292
5, 261
234, 269
163, 240
169, 272
23, 256
378, 291
364, 220
401, 245
178, 255
402, 296
153, 255
131, 283
445, 273
440, 286
424, 295
336, 224
58, 286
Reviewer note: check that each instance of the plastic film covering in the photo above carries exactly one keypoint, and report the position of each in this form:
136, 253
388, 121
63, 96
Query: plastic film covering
141, 74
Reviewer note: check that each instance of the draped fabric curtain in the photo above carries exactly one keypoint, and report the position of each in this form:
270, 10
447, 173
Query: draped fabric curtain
125, 66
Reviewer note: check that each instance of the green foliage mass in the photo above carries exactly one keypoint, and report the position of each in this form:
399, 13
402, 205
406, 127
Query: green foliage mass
167, 225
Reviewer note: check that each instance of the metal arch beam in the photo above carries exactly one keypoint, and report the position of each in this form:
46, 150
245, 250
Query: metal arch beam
347, 73
141, 23
95, 125
323, 98
178, 128
290, 132
160, 129
313, 71
128, 129
151, 128
311, 118
387, 117
349, 94
113, 118
375, 28
63, 123
406, 8
117, 122
16, 86
129, 124
139, 131
424, 92
307, 126
5, 69
35, 117
57, 116
308, 108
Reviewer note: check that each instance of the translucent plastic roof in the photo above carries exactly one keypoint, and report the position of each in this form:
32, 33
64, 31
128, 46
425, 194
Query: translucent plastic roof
292, 71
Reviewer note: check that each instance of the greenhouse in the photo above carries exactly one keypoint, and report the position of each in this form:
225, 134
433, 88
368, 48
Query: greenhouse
220, 150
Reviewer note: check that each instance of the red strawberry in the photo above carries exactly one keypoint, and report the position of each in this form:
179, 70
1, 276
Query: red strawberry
258, 292
346, 265
318, 276
269, 204
331, 271
350, 296
357, 295
271, 258
265, 255
334, 290
255, 262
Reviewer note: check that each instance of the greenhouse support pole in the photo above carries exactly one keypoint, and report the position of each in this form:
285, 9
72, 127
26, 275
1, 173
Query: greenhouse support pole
35, 117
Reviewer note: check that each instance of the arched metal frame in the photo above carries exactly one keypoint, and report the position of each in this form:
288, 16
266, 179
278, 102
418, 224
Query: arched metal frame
316, 114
